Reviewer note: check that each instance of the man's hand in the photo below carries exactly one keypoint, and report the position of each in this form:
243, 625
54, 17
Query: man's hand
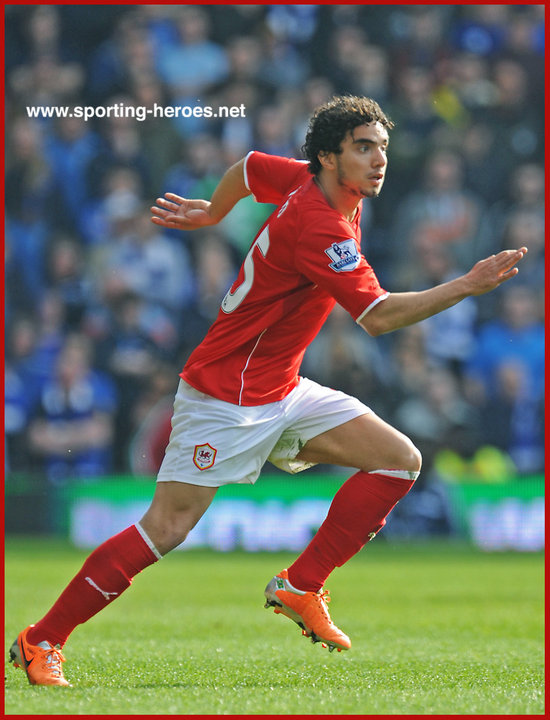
491, 272
401, 309
173, 211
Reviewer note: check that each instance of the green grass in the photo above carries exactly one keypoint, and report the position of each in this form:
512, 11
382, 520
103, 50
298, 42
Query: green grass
435, 630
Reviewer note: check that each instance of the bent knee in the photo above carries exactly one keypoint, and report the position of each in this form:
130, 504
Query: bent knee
413, 458
406, 457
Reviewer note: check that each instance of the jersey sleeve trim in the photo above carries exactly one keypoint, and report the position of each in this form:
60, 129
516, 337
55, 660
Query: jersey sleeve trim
245, 171
369, 307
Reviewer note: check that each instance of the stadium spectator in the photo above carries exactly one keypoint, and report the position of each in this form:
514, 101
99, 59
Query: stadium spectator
438, 416
127, 356
33, 206
159, 140
120, 148
71, 149
111, 211
236, 134
50, 335
517, 337
483, 29
345, 49
470, 79
524, 191
420, 36
122, 58
527, 226
282, 64
442, 212
71, 431
485, 168
296, 23
517, 122
449, 337
21, 389
215, 269
49, 76
228, 21
192, 65
524, 43
345, 357
199, 166
513, 417
67, 278
412, 107
141, 260
151, 421
274, 130
34, 342
317, 91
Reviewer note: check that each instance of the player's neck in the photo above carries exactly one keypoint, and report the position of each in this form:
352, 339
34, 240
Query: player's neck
338, 197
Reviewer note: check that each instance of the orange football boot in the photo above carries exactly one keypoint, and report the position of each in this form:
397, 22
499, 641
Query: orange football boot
307, 609
41, 662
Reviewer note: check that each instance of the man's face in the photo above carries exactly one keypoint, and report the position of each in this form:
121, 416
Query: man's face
361, 166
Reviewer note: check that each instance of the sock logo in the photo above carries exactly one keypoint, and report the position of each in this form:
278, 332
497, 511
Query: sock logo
372, 535
106, 595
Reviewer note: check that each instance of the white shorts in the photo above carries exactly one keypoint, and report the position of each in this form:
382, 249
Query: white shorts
215, 443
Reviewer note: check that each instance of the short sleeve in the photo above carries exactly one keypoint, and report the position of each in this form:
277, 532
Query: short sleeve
330, 257
270, 178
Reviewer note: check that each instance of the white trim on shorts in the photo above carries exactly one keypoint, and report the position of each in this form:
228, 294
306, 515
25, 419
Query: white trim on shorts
216, 443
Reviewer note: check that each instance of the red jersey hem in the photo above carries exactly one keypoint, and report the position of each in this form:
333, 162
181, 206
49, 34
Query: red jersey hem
246, 401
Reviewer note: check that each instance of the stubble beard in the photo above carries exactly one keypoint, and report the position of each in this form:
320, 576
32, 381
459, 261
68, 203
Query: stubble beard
359, 193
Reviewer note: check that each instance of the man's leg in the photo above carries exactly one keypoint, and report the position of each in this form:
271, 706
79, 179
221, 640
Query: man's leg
107, 572
389, 464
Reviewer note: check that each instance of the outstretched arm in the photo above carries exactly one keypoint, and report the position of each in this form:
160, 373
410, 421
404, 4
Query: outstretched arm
173, 211
401, 309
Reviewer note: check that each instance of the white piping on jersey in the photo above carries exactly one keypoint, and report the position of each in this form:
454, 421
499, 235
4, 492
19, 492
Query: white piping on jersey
246, 364
373, 303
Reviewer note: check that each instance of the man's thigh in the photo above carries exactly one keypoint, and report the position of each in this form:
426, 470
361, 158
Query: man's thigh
366, 442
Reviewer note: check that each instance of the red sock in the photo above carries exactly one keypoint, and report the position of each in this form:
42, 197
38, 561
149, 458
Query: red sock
358, 511
107, 572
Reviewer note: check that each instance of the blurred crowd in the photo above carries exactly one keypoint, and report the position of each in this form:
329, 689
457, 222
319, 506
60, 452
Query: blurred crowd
102, 307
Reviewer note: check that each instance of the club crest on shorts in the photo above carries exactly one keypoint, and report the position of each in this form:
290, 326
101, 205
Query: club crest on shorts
204, 456
344, 256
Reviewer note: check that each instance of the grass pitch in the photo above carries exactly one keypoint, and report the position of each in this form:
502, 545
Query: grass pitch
435, 630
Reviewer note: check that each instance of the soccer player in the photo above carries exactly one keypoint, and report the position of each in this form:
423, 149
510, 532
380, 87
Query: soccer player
241, 400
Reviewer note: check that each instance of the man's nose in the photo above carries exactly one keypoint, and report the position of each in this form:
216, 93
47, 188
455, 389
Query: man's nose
380, 158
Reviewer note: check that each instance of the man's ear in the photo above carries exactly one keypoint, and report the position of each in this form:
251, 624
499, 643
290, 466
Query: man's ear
326, 159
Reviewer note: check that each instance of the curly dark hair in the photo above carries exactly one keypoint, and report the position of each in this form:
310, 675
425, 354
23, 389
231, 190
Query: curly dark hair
331, 122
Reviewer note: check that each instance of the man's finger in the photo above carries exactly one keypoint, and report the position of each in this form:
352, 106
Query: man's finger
160, 212
175, 198
160, 221
167, 205
509, 274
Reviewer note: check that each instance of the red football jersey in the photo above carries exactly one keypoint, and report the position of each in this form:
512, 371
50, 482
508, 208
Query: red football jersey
305, 258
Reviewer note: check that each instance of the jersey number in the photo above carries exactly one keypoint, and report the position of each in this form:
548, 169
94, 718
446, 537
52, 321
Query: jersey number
233, 299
